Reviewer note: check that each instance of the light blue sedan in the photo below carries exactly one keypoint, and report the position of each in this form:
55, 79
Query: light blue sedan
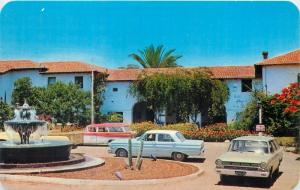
159, 143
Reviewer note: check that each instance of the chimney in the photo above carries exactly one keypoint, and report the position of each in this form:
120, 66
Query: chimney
265, 54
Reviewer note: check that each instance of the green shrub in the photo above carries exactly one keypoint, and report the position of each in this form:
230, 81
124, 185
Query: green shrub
286, 141
218, 132
141, 128
182, 127
114, 117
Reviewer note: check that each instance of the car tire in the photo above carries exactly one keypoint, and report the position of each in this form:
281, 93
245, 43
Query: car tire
177, 156
121, 153
270, 178
276, 172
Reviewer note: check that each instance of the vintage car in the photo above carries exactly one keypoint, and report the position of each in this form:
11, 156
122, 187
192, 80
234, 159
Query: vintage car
106, 132
251, 156
159, 143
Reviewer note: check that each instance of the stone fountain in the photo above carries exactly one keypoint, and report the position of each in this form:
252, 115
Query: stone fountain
25, 144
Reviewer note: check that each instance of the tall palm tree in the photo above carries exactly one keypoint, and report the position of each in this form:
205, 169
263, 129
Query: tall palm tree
155, 57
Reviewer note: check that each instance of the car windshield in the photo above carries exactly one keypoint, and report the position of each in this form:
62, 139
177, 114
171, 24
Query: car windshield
249, 146
180, 136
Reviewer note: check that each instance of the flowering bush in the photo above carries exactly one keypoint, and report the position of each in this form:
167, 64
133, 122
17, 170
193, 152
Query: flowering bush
290, 98
218, 132
281, 111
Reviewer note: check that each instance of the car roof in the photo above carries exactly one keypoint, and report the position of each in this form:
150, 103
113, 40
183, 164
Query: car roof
108, 125
162, 131
255, 138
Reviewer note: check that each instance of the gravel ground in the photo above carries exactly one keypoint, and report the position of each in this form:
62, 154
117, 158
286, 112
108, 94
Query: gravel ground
209, 180
148, 171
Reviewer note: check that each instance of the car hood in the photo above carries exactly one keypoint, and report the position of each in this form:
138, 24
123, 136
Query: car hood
244, 157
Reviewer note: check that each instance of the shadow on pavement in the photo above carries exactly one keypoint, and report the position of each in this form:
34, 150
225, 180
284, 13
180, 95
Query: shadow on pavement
248, 182
195, 160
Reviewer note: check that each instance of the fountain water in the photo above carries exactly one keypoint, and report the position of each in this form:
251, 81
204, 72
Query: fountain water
24, 144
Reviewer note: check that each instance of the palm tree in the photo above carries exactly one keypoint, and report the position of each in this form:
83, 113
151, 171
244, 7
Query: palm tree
155, 57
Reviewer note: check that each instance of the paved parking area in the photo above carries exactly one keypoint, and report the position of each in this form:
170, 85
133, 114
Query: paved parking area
209, 180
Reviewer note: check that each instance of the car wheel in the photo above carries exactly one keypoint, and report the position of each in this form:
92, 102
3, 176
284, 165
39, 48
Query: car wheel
121, 153
276, 172
177, 156
270, 178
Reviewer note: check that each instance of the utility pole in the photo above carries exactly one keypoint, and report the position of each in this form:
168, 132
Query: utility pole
92, 92
260, 114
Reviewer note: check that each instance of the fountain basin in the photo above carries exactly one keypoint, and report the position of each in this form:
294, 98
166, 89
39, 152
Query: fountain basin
35, 152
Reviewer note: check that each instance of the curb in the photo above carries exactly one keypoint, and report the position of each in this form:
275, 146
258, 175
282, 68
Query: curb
64, 181
89, 162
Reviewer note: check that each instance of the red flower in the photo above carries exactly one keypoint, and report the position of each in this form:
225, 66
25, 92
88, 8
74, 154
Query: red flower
292, 109
294, 85
295, 102
285, 90
273, 102
276, 95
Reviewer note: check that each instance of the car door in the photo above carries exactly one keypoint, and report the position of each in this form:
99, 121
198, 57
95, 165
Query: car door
90, 135
164, 145
277, 156
274, 156
102, 133
149, 144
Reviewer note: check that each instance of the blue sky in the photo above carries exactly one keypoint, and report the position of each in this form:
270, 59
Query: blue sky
105, 33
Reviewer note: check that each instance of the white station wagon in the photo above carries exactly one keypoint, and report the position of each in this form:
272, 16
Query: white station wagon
252, 156
159, 143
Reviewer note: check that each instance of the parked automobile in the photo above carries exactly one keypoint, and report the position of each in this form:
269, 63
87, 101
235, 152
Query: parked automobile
106, 132
159, 143
251, 156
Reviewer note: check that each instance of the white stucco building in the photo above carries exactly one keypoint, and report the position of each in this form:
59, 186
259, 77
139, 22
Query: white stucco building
278, 72
270, 75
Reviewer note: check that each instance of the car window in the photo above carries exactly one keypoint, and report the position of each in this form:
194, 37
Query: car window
92, 129
115, 129
274, 144
126, 129
272, 147
165, 138
249, 146
102, 129
150, 137
180, 136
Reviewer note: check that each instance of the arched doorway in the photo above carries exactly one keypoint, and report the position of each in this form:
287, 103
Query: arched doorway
141, 113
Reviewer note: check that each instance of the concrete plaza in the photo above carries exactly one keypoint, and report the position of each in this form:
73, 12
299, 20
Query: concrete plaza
209, 180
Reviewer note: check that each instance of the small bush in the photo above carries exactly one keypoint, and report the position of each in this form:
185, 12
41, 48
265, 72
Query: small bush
286, 141
141, 128
182, 127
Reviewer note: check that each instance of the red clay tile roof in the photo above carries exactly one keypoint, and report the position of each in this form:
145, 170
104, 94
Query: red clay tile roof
288, 58
70, 67
6, 66
49, 67
222, 72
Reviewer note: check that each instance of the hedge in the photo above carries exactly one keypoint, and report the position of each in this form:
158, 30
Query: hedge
218, 132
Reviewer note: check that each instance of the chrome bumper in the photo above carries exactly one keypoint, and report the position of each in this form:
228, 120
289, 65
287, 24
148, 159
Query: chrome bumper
109, 150
246, 173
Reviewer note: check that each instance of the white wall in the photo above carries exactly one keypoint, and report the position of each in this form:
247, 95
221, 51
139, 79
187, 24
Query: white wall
70, 78
7, 80
238, 99
120, 101
276, 77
